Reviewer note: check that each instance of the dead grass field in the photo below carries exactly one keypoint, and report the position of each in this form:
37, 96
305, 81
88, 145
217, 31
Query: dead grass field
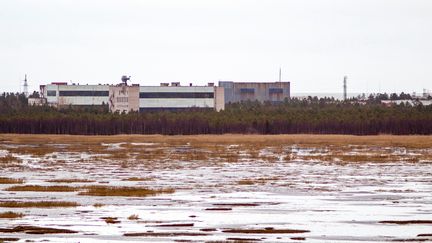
10, 215
414, 141
39, 204
138, 179
37, 230
113, 191
70, 180
230, 148
37, 188
266, 231
5, 180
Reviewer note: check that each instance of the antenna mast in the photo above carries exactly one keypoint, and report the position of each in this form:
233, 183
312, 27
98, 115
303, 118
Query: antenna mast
345, 87
25, 86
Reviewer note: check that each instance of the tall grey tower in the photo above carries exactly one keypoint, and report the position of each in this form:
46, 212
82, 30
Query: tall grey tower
345, 87
280, 74
25, 86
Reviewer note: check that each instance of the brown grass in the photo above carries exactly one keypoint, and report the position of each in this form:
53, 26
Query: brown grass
37, 188
260, 180
265, 231
98, 205
10, 215
165, 234
118, 154
138, 179
195, 155
406, 222
37, 230
7, 239
246, 182
298, 238
353, 158
123, 191
38, 204
70, 181
218, 209
8, 159
175, 225
236, 204
37, 150
240, 240
111, 220
413, 141
133, 217
5, 180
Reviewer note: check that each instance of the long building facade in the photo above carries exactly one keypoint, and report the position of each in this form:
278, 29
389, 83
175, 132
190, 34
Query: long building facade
62, 94
125, 98
180, 97
261, 91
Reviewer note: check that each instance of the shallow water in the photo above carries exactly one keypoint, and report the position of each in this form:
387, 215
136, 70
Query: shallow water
336, 200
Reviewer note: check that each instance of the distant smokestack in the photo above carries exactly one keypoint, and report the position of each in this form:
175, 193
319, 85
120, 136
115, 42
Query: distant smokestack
280, 74
345, 87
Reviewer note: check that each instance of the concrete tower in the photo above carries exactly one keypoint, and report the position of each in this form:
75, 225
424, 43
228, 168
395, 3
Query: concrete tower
345, 87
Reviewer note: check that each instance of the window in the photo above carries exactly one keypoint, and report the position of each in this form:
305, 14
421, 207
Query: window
172, 109
275, 91
84, 93
247, 90
51, 93
122, 99
184, 95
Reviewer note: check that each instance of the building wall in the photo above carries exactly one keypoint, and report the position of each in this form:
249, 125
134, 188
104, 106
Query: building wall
167, 97
262, 91
36, 101
123, 98
63, 95
219, 98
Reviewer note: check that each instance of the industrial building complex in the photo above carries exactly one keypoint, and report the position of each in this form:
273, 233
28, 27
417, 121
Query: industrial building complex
125, 98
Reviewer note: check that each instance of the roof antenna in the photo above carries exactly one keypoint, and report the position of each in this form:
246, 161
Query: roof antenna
125, 78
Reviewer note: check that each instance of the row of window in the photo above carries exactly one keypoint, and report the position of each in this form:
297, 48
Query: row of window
51, 93
78, 93
155, 109
275, 91
252, 90
122, 99
184, 95
84, 93
247, 90
142, 95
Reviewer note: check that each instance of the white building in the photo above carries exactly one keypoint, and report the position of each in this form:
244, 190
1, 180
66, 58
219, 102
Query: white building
124, 98
180, 97
62, 94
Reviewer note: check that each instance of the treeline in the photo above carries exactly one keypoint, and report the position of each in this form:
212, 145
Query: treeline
311, 115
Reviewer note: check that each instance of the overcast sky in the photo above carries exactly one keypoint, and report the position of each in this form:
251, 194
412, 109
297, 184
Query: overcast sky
381, 45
